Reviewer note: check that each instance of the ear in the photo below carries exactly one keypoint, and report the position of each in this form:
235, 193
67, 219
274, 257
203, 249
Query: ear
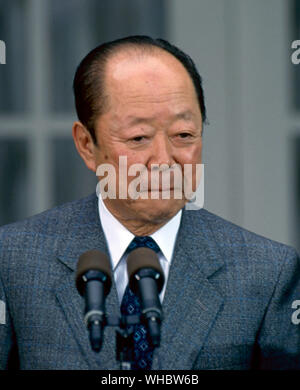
84, 145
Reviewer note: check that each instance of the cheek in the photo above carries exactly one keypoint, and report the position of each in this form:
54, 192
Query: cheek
109, 152
134, 157
123, 165
191, 155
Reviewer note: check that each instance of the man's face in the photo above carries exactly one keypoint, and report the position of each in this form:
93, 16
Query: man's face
153, 118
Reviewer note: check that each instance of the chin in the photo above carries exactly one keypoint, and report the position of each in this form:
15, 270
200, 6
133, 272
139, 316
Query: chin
158, 210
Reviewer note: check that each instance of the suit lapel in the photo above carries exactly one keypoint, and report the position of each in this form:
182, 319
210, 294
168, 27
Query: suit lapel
86, 234
191, 301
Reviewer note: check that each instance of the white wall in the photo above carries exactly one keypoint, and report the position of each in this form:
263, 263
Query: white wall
242, 49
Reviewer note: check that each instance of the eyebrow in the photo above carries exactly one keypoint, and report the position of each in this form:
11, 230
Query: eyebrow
185, 115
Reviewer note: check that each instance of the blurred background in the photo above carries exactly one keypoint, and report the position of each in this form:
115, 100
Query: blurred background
243, 51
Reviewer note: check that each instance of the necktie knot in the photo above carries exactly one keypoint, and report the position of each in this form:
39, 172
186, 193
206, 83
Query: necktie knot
143, 241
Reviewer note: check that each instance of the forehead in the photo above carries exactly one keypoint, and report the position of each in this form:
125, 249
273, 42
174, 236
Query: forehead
155, 75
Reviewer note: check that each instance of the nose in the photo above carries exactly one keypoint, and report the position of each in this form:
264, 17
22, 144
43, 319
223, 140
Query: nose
161, 151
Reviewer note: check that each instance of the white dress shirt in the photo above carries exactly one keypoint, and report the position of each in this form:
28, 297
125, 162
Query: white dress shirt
118, 237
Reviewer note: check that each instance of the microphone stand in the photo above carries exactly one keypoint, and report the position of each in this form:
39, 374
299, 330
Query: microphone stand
124, 338
124, 345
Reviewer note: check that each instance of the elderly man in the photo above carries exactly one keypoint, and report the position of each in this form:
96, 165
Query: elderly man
229, 295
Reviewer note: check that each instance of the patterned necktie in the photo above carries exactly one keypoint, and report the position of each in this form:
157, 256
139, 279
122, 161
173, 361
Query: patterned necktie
143, 351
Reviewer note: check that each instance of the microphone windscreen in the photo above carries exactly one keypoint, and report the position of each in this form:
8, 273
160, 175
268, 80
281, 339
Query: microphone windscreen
96, 261
141, 258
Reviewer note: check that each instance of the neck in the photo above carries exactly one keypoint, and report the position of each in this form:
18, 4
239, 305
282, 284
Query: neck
139, 226
139, 229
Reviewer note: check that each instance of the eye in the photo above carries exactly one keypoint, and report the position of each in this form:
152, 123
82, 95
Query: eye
184, 135
138, 139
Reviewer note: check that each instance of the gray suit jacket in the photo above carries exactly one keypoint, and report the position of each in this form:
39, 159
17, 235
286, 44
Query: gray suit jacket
227, 303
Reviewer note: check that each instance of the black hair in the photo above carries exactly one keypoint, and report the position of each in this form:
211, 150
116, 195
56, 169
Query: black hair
89, 87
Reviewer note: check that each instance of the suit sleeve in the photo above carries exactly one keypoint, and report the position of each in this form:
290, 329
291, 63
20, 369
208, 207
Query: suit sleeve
6, 334
279, 336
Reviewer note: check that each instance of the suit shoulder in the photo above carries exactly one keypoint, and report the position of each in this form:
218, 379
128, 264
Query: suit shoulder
229, 234
52, 222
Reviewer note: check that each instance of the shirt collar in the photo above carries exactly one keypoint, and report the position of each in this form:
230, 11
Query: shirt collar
118, 237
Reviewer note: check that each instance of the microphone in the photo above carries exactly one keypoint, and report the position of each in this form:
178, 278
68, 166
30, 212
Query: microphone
146, 279
93, 281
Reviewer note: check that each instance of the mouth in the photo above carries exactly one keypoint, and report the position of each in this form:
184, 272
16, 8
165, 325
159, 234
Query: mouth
161, 189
